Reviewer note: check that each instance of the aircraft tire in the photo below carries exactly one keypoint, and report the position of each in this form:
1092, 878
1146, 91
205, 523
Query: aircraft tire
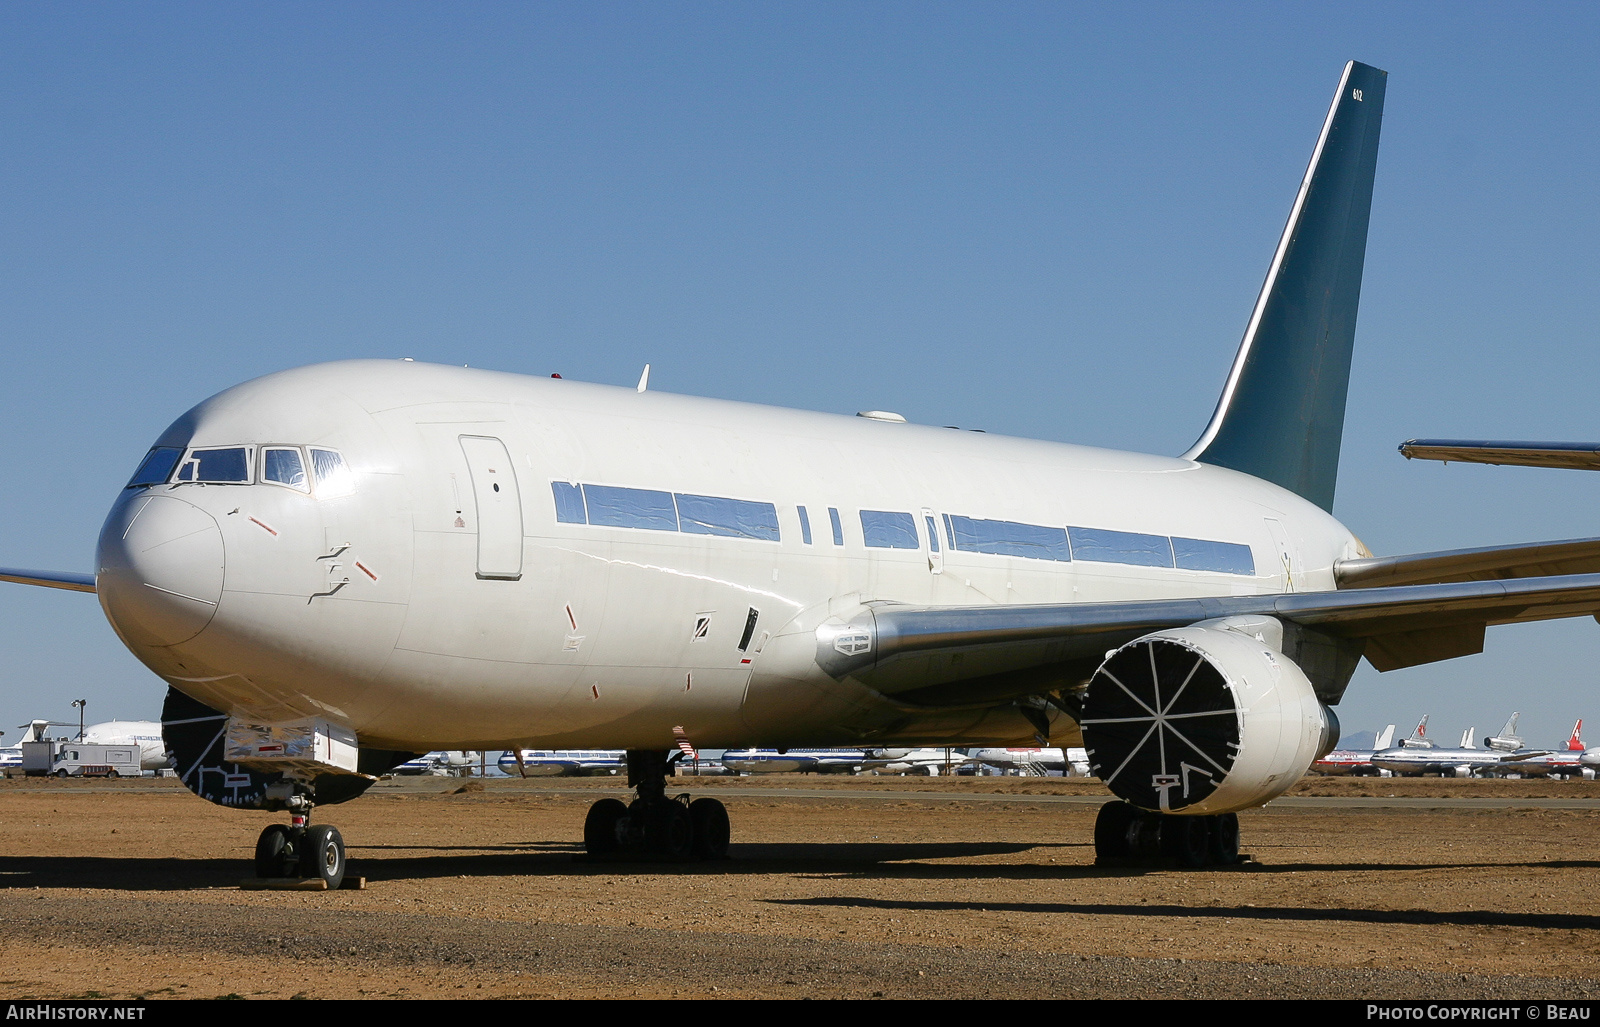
600, 827
669, 833
274, 852
1224, 839
322, 855
709, 819
1111, 830
1190, 840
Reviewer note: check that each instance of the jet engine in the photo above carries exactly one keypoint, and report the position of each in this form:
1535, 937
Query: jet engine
1209, 718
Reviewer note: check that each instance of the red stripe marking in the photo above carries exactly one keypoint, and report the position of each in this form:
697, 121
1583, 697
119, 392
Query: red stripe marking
363, 569
259, 524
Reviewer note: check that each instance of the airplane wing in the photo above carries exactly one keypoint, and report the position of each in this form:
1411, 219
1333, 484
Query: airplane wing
1583, 456
974, 656
49, 579
1491, 563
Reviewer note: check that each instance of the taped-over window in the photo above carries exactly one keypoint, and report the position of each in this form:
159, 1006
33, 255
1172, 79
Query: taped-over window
1195, 554
569, 503
285, 467
889, 529
1009, 538
630, 508
1106, 546
733, 518
333, 475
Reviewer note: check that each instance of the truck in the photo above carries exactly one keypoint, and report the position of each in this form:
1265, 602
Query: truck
79, 759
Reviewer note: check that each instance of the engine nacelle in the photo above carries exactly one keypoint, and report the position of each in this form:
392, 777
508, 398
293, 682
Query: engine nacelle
1210, 718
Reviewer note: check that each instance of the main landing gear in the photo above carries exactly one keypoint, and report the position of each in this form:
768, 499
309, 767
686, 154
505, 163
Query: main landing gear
301, 850
1123, 832
653, 826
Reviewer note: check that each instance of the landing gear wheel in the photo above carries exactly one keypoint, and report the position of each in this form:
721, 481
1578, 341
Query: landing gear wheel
276, 853
600, 827
322, 855
1188, 839
709, 819
668, 831
1224, 845
1111, 830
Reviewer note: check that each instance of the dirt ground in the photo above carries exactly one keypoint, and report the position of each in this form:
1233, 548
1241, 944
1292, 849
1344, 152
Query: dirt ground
838, 887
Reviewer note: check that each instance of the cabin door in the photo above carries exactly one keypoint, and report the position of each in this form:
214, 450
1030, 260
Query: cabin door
1288, 554
499, 503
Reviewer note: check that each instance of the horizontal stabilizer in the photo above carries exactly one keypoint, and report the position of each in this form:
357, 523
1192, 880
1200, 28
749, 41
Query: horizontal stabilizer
1491, 563
49, 579
1580, 456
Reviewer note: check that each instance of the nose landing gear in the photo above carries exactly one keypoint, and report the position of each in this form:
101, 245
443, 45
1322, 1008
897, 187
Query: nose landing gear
1127, 835
300, 851
655, 827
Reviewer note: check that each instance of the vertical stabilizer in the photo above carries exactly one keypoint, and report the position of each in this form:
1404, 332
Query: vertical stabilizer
1384, 740
1281, 415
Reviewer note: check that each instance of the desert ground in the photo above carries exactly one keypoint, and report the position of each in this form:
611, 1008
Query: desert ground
837, 888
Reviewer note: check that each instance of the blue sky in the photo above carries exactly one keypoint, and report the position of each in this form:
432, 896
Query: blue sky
1038, 219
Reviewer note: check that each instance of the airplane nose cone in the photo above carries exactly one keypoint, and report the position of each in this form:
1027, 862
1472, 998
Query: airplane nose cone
161, 563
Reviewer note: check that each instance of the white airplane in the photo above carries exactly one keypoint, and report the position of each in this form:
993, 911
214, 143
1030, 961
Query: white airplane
928, 760
796, 761
439, 763
338, 567
562, 762
1502, 752
1357, 762
142, 733
1072, 762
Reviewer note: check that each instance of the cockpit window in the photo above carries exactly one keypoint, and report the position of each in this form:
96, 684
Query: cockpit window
284, 466
156, 467
222, 466
333, 476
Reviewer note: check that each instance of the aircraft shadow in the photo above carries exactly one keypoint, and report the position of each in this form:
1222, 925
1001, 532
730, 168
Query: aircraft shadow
1417, 917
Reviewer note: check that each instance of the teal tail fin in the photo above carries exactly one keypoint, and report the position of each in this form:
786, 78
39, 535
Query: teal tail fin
1281, 415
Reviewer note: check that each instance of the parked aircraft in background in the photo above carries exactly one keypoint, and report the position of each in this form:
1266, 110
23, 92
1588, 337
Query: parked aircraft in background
145, 734
338, 567
440, 763
1356, 762
929, 761
1504, 751
796, 761
1566, 761
1072, 762
563, 762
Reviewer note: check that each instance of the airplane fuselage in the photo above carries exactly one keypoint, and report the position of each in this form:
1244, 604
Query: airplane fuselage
498, 560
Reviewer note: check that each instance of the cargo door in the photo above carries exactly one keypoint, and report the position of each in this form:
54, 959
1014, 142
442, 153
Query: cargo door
499, 503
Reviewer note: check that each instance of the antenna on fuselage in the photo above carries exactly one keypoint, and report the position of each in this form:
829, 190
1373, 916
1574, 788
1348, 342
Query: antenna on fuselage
644, 379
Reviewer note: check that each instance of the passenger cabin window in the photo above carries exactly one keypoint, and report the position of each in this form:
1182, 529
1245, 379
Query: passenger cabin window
217, 466
730, 518
1193, 554
1008, 538
156, 467
1107, 546
888, 529
838, 526
282, 465
630, 508
611, 506
334, 478
805, 526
